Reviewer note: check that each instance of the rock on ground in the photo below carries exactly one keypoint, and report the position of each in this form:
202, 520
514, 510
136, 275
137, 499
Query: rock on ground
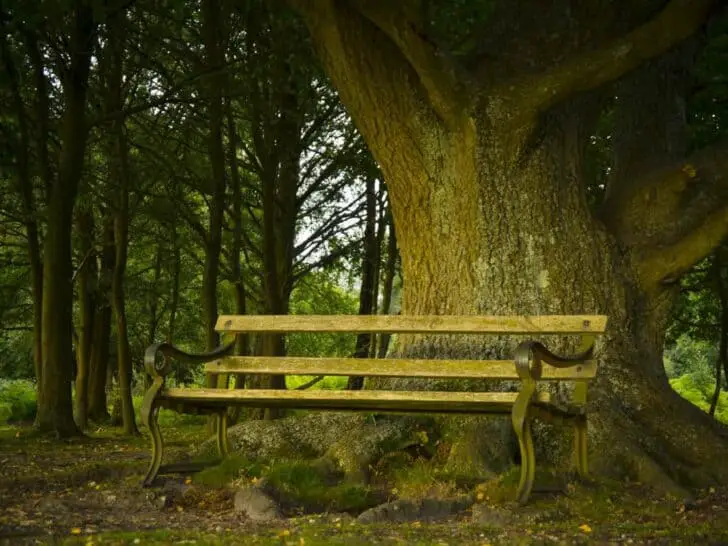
256, 504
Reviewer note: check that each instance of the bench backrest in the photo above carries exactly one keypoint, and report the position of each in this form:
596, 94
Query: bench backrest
588, 325
414, 324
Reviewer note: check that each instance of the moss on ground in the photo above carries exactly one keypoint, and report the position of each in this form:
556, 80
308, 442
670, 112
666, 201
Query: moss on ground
300, 486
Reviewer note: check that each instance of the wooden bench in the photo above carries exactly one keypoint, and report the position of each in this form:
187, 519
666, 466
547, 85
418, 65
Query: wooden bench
532, 363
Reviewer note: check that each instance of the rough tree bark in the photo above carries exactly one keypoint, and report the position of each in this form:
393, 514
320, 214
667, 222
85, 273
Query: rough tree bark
485, 180
55, 409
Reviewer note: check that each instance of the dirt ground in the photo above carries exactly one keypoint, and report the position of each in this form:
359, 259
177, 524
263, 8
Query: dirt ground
86, 491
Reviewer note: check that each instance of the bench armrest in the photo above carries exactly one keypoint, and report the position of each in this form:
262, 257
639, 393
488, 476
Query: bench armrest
531, 354
157, 357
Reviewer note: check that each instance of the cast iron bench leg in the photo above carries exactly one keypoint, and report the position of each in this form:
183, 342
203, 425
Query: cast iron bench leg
150, 420
522, 425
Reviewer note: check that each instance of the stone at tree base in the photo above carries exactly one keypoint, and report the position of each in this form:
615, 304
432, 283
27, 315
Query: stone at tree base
415, 510
345, 442
256, 504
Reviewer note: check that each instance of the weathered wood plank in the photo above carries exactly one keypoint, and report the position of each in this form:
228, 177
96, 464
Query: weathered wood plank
446, 369
470, 324
399, 401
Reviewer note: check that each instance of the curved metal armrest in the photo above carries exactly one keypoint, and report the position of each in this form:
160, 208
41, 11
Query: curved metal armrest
157, 357
531, 354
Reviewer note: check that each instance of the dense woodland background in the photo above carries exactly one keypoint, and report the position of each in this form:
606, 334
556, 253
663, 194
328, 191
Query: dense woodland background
199, 161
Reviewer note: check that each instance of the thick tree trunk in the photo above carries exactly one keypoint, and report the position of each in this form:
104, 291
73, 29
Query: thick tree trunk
86, 289
55, 406
487, 193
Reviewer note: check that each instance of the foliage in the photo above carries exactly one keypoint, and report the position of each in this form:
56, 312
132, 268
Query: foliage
319, 294
17, 400
694, 357
700, 394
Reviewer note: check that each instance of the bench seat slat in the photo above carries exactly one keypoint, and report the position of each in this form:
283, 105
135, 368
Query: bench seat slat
385, 367
399, 401
397, 324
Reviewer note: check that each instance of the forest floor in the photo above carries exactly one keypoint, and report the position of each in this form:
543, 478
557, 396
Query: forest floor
86, 491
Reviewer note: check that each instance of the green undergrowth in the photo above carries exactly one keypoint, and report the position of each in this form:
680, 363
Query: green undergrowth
700, 394
17, 400
329, 382
300, 486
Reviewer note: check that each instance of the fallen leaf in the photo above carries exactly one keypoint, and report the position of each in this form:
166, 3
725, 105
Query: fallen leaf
585, 528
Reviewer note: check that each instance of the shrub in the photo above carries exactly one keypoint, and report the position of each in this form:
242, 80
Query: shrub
17, 400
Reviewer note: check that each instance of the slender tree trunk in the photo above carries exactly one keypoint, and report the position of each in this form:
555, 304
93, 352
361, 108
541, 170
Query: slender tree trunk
390, 270
55, 406
237, 250
27, 199
213, 37
176, 270
98, 409
119, 165
154, 297
381, 228
368, 278
722, 360
86, 288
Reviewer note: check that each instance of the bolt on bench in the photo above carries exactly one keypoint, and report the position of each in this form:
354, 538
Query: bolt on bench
532, 363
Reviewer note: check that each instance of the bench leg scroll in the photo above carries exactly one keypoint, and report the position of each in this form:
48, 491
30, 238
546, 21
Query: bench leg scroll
522, 425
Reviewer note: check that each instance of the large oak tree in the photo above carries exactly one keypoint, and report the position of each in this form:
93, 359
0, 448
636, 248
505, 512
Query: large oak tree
483, 159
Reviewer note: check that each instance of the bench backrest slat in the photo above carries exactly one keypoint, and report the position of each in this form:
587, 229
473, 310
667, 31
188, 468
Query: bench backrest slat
414, 324
386, 367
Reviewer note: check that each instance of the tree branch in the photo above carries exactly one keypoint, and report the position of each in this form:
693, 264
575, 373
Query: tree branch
691, 202
677, 22
402, 23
